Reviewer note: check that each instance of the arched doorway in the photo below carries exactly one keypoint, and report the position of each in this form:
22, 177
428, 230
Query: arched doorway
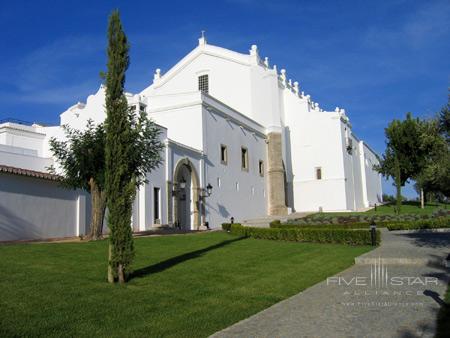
186, 203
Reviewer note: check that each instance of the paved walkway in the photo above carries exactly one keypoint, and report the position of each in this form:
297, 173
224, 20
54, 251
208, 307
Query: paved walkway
374, 298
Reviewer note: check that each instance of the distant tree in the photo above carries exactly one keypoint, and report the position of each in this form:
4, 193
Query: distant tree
82, 160
402, 156
444, 121
132, 148
434, 174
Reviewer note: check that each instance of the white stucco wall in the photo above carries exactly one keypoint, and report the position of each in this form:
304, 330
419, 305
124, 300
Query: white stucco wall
183, 121
143, 208
221, 65
22, 136
373, 178
315, 141
241, 193
32, 208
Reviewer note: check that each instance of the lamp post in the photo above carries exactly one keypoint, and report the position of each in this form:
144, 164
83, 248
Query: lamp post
373, 233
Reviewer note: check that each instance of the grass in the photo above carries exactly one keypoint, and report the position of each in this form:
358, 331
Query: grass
388, 209
184, 285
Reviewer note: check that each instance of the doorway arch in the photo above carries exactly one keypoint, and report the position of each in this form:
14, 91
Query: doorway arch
186, 201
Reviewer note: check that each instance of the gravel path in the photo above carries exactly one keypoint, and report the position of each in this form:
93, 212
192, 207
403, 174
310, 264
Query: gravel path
396, 291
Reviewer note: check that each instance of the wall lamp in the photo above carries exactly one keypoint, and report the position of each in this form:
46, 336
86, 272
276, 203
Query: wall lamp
207, 192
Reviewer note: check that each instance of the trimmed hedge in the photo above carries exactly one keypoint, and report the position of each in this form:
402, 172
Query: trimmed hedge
324, 219
440, 222
342, 236
359, 225
226, 226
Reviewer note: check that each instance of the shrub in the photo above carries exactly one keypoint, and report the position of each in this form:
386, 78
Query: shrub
350, 219
300, 234
226, 226
275, 223
316, 225
441, 212
441, 222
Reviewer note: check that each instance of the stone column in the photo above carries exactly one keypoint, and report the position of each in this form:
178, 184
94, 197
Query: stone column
275, 176
169, 188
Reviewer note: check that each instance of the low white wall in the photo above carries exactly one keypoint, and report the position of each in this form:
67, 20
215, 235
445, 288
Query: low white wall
32, 208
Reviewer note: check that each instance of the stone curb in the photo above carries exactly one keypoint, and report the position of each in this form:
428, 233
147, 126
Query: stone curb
396, 261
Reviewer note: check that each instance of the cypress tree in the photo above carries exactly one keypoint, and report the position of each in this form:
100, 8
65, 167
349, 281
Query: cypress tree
119, 179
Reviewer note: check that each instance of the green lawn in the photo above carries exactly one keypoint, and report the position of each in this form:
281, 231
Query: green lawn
185, 285
388, 209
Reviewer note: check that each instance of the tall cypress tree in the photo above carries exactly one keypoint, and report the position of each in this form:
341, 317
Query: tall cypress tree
119, 180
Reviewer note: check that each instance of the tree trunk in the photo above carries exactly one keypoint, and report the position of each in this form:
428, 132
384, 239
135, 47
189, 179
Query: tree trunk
98, 200
110, 271
398, 186
422, 199
120, 274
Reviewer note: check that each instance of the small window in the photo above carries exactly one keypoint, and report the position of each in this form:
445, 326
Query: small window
203, 83
223, 154
261, 168
319, 173
156, 205
244, 159
142, 108
219, 183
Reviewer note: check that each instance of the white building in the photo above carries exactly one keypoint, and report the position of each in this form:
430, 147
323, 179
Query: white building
228, 120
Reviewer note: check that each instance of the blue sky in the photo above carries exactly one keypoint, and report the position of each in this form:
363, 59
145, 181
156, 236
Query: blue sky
376, 59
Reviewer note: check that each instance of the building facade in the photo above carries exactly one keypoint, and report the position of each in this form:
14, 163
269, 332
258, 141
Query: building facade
241, 140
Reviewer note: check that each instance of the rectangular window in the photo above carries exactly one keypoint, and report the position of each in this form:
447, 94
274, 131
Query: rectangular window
261, 168
244, 158
223, 154
142, 107
218, 182
203, 83
156, 205
318, 173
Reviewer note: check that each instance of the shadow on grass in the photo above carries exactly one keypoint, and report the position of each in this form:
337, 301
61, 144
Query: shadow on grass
161, 266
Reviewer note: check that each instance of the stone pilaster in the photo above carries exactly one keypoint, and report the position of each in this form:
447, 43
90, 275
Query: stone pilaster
275, 176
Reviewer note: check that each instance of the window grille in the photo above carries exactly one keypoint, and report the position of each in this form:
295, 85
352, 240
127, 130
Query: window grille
203, 83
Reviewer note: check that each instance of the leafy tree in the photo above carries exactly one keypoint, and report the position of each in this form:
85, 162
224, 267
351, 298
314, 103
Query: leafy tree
403, 155
82, 160
132, 148
444, 121
434, 174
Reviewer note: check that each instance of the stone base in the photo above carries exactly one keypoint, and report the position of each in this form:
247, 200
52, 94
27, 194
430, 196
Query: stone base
278, 211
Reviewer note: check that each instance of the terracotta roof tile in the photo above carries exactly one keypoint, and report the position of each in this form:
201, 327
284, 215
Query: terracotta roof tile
30, 173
